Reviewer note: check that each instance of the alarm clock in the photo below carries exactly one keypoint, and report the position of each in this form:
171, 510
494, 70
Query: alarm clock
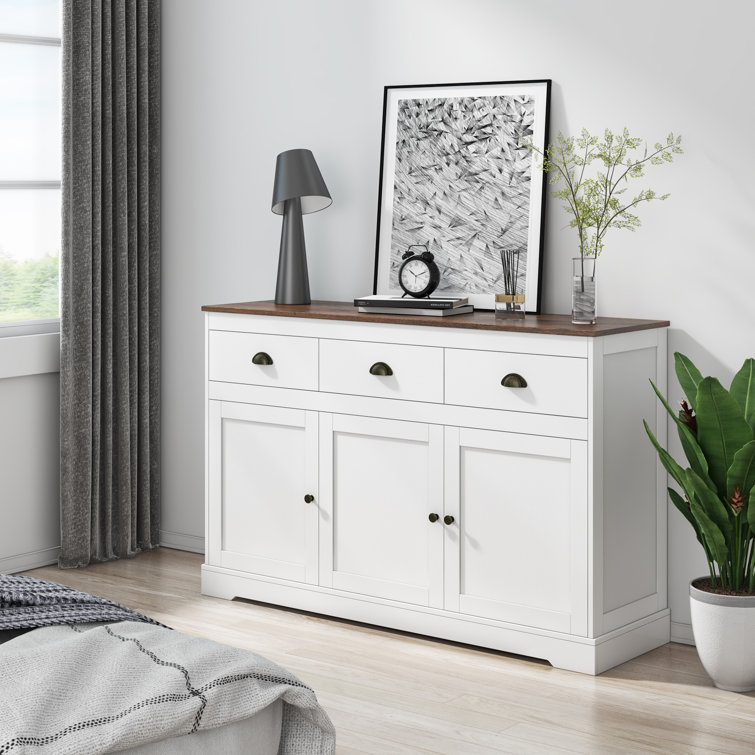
418, 276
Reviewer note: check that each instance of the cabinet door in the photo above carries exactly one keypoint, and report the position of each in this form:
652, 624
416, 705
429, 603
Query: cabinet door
379, 482
262, 462
517, 549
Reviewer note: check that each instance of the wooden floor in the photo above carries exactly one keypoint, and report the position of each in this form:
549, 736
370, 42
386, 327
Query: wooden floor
389, 692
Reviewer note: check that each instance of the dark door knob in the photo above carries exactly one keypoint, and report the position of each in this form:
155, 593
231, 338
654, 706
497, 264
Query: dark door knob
309, 498
381, 368
512, 380
448, 519
262, 358
433, 517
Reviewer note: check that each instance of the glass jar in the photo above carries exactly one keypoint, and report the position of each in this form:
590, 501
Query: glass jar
509, 305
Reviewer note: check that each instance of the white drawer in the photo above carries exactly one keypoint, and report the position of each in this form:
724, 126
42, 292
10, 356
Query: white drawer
417, 371
294, 360
555, 385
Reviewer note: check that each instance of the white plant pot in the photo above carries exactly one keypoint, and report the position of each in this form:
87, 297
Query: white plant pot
724, 629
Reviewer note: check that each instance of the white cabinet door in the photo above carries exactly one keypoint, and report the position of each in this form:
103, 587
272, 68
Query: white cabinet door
262, 464
517, 548
380, 480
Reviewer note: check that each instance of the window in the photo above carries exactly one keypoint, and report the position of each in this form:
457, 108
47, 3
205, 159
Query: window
30, 160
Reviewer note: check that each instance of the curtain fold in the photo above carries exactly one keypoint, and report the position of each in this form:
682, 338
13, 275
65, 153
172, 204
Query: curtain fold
110, 280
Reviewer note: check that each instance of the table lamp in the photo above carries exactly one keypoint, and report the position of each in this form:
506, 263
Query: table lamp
299, 189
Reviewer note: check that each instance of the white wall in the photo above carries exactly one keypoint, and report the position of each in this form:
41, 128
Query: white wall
29, 410
246, 79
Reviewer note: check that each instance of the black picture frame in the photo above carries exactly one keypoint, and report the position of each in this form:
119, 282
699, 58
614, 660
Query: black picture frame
454, 176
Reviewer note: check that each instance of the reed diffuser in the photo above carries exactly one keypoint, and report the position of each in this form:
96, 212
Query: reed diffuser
510, 303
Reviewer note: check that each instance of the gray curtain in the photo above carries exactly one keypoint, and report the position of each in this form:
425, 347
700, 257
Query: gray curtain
110, 278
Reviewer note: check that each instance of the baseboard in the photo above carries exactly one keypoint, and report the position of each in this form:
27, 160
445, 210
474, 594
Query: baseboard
572, 652
26, 561
628, 642
182, 542
682, 633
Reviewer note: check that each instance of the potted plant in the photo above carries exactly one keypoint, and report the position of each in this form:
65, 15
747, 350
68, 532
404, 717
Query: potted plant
717, 432
597, 203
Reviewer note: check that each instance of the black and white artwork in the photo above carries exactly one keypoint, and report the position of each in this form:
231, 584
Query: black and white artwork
456, 177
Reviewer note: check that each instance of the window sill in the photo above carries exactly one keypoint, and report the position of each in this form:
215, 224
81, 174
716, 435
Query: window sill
34, 354
29, 328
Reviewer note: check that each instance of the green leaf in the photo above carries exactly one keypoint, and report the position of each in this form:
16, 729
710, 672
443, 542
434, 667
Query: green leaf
741, 473
721, 429
684, 509
689, 377
676, 472
751, 511
691, 447
712, 536
743, 390
711, 517
695, 455
715, 508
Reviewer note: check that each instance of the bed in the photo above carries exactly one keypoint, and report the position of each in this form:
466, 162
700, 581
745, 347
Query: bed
80, 674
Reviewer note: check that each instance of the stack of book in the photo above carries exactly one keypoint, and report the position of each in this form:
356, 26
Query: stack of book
399, 305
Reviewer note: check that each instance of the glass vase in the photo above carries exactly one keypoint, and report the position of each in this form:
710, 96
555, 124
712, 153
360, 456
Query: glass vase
583, 291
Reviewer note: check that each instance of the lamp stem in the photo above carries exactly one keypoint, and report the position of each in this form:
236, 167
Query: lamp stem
293, 276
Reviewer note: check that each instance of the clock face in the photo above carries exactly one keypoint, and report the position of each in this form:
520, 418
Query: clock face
415, 276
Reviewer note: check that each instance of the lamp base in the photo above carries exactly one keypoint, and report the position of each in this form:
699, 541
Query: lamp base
293, 277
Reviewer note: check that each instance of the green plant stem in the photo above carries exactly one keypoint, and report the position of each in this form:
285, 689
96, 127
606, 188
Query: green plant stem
573, 191
614, 184
582, 279
737, 555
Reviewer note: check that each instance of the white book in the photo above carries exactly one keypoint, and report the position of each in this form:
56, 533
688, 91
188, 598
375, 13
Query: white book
463, 310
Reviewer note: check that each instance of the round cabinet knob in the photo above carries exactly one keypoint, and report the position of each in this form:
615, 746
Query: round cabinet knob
512, 380
448, 519
262, 358
381, 368
309, 498
433, 517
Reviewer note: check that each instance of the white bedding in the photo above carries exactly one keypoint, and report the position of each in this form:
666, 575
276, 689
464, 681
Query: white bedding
259, 734
105, 688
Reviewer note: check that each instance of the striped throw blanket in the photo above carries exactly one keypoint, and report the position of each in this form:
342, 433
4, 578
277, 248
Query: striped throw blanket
26, 603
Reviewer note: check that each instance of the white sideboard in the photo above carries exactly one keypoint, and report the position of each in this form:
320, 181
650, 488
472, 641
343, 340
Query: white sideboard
393, 470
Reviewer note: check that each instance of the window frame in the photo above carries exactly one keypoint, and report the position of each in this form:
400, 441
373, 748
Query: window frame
30, 327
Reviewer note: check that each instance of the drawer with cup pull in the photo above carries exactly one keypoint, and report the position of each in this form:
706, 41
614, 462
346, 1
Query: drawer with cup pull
263, 359
537, 383
384, 370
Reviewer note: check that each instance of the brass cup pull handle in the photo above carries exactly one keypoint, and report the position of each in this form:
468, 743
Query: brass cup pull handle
512, 380
381, 368
448, 519
309, 498
433, 517
262, 358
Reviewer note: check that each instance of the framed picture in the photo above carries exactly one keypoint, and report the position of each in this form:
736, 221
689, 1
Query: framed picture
455, 176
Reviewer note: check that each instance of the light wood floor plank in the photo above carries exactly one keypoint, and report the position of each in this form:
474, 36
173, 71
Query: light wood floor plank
389, 692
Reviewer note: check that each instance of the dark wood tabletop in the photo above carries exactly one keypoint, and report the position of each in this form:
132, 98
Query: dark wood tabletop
558, 325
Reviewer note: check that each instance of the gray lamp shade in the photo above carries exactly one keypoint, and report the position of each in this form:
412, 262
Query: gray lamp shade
298, 189
298, 177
